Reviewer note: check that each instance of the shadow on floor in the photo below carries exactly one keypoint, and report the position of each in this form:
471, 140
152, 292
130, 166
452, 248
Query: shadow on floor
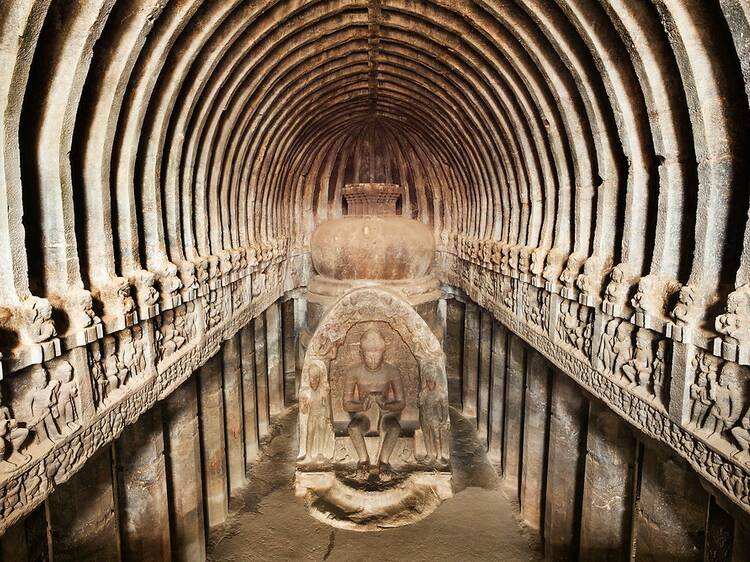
268, 523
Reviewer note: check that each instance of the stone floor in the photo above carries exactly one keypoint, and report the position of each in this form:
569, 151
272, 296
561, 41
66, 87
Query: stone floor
268, 523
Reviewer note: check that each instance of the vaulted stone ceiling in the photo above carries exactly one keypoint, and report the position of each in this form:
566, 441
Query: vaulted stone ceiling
583, 164
137, 132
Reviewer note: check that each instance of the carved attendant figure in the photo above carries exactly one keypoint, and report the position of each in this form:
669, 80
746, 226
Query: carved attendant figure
374, 383
726, 395
67, 395
44, 406
97, 373
314, 402
741, 434
433, 418
12, 437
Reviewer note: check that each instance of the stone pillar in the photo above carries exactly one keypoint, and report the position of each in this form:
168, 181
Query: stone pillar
233, 414
485, 356
719, 533
82, 514
249, 399
565, 466
535, 439
142, 490
515, 373
497, 394
27, 539
300, 311
471, 360
454, 347
289, 340
184, 476
261, 376
441, 320
670, 514
607, 506
741, 540
274, 360
211, 408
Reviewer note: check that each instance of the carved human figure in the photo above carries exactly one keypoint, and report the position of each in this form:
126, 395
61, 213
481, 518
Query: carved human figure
84, 314
67, 413
37, 313
623, 346
658, 375
127, 348
314, 402
97, 373
638, 369
701, 402
374, 384
44, 406
139, 361
12, 438
433, 417
684, 310
726, 397
605, 355
741, 435
123, 294
116, 371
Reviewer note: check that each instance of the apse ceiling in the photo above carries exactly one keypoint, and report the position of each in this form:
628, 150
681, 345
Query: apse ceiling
137, 132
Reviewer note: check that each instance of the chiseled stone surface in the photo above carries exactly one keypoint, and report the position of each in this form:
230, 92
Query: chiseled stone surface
142, 490
82, 514
580, 168
470, 374
670, 513
608, 487
262, 386
184, 473
566, 462
484, 374
535, 439
249, 395
497, 392
233, 413
515, 377
453, 347
274, 360
213, 441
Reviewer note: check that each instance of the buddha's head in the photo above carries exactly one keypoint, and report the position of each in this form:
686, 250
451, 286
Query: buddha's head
372, 348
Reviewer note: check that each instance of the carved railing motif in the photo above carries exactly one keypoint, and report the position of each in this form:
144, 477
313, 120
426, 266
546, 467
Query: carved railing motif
662, 370
77, 396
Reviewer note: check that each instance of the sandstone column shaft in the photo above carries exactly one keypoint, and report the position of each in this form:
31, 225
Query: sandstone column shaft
565, 466
497, 394
233, 414
289, 351
300, 311
719, 533
515, 373
142, 490
261, 375
535, 439
211, 408
249, 399
471, 360
27, 539
82, 514
607, 507
184, 473
485, 356
670, 514
274, 360
454, 346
